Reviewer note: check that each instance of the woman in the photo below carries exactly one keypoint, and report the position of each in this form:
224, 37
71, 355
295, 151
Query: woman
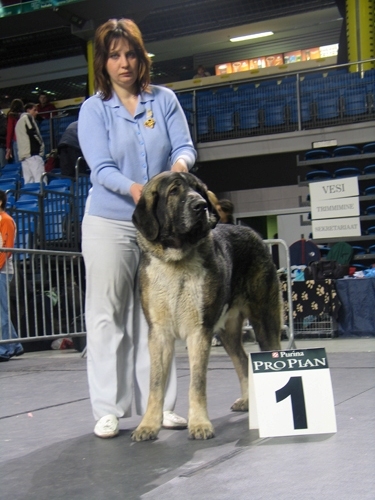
225, 209
15, 111
7, 235
128, 132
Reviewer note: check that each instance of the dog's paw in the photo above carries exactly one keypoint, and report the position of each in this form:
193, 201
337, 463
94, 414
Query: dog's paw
144, 433
240, 405
203, 430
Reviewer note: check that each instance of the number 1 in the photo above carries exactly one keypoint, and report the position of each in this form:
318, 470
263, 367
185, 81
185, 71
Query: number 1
294, 389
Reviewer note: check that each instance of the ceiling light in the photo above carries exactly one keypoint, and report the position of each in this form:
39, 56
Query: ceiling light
250, 37
150, 54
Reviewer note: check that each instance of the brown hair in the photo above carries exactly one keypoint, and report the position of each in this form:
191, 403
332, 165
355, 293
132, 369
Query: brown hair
16, 107
114, 29
227, 208
3, 200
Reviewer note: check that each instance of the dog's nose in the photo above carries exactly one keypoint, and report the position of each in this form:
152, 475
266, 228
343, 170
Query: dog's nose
199, 205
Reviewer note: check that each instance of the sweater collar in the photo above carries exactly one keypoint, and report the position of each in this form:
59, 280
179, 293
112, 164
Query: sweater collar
144, 103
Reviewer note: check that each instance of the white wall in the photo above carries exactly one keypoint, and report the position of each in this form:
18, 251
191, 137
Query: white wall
284, 202
255, 202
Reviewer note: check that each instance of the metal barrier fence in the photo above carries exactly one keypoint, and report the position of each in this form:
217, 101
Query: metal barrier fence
48, 214
46, 296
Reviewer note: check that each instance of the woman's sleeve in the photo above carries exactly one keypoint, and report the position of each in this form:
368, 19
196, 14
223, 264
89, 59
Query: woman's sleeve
11, 123
179, 133
94, 142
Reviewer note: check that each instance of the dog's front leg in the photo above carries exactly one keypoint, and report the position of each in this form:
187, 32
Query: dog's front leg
199, 425
161, 351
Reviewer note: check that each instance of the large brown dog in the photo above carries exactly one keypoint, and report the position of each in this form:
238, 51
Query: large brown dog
196, 280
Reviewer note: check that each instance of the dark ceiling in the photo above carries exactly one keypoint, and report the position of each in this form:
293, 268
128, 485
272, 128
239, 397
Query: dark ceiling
180, 33
55, 33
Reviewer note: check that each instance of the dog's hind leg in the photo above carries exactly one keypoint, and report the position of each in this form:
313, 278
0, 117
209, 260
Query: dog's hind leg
266, 322
199, 425
161, 351
232, 342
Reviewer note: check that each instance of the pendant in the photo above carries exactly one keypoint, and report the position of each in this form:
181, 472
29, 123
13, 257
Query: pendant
150, 122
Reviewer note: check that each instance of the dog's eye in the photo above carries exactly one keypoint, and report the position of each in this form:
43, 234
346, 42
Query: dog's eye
174, 190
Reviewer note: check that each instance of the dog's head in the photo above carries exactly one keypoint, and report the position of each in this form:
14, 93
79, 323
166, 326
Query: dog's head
175, 210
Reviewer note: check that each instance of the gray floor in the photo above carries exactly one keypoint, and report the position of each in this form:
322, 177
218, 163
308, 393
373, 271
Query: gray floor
48, 450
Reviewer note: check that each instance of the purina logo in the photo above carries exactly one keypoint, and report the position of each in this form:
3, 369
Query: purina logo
275, 355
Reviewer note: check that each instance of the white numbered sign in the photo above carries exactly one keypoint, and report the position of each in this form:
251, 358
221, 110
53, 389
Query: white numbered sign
291, 393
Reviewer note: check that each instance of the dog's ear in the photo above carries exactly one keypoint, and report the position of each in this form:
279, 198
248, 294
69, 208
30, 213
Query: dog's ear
144, 215
212, 202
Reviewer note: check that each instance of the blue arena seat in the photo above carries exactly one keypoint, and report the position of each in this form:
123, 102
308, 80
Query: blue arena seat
8, 186
327, 105
305, 110
347, 172
355, 102
369, 148
370, 190
317, 154
346, 151
359, 250
248, 117
223, 120
274, 113
318, 175
369, 169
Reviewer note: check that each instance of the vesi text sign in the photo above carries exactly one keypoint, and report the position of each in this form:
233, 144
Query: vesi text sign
335, 188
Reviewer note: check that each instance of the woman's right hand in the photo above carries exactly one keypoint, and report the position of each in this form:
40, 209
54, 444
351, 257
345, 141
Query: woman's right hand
8, 154
135, 191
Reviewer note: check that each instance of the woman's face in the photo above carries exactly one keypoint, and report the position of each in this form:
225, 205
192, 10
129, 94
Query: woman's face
122, 64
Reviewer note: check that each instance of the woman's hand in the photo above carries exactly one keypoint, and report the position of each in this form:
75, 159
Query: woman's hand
8, 154
135, 191
180, 166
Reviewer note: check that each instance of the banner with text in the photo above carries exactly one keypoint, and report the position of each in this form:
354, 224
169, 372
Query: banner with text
331, 209
290, 393
336, 228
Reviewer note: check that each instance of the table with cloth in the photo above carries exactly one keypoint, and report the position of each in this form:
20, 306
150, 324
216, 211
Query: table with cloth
356, 316
312, 298
315, 307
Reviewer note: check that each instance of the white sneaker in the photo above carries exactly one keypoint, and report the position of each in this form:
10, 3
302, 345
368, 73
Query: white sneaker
173, 421
107, 427
216, 341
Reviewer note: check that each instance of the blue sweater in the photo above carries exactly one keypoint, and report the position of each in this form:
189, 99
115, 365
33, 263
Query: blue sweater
121, 149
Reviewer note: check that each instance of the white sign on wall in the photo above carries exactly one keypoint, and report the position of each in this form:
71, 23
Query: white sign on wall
339, 207
335, 188
336, 228
290, 393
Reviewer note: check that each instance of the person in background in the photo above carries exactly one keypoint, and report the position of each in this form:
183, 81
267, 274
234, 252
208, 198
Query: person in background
201, 72
128, 132
69, 151
45, 108
30, 145
3, 138
7, 236
15, 111
225, 209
